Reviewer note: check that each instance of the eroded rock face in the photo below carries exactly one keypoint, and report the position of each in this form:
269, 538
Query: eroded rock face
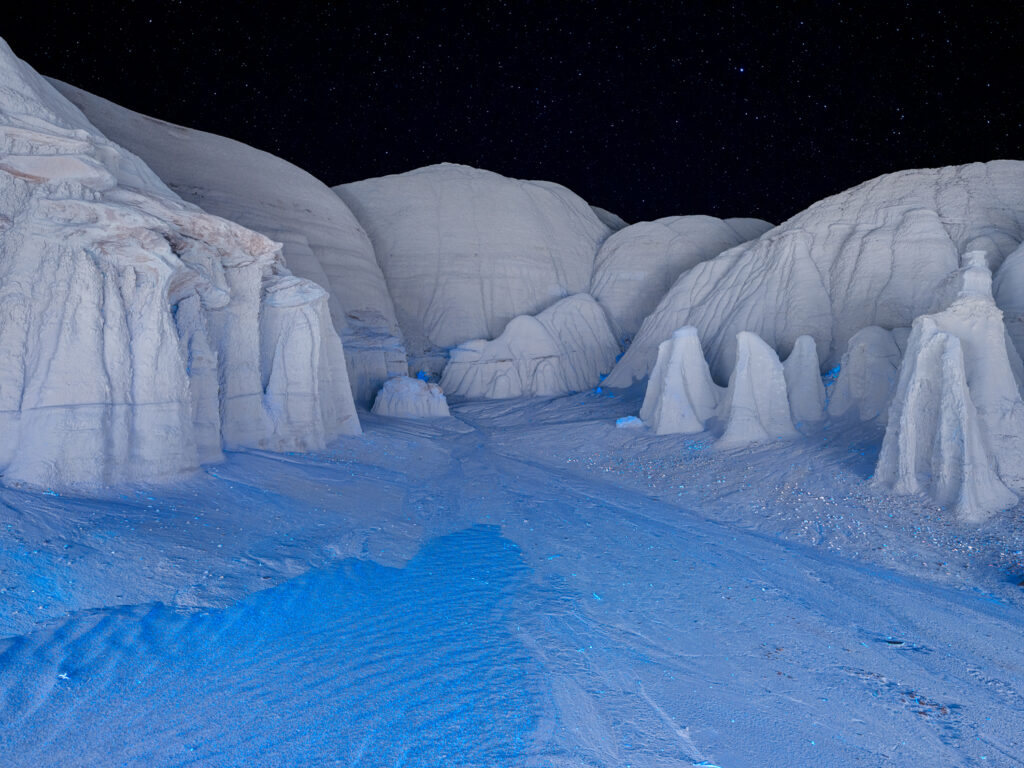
873, 255
868, 374
761, 403
613, 221
1008, 290
321, 239
131, 340
638, 264
681, 396
565, 348
934, 443
804, 387
755, 408
305, 382
956, 424
464, 250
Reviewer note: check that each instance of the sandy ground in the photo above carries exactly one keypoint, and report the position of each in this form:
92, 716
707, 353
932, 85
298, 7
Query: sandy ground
523, 584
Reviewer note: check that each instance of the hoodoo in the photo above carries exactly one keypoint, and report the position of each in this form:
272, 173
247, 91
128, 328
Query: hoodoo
139, 334
681, 396
956, 425
755, 408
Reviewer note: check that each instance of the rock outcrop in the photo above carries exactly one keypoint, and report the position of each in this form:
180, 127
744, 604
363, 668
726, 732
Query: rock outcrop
139, 334
804, 387
464, 251
613, 221
565, 348
868, 374
638, 264
956, 424
1008, 291
681, 397
873, 255
321, 239
755, 408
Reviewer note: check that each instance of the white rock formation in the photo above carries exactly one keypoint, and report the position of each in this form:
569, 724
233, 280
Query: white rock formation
137, 333
304, 377
804, 387
322, 241
1008, 289
748, 228
681, 396
566, 348
755, 408
464, 250
956, 424
978, 323
868, 375
934, 442
611, 220
873, 255
410, 398
638, 264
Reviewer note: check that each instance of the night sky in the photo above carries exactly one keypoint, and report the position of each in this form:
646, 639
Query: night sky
645, 109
